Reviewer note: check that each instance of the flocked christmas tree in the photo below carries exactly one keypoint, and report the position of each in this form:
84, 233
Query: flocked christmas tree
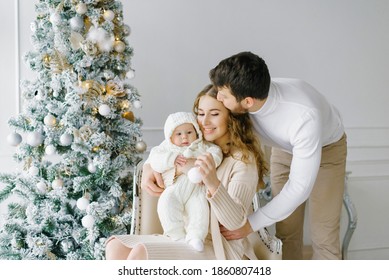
77, 137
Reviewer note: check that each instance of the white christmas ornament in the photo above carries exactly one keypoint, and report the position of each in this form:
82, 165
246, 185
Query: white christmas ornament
41, 186
50, 120
34, 138
55, 18
194, 175
137, 104
104, 110
14, 139
130, 74
50, 150
66, 139
33, 170
109, 15
91, 168
57, 184
82, 203
81, 8
76, 23
88, 221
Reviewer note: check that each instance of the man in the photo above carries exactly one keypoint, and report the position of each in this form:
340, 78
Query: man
308, 153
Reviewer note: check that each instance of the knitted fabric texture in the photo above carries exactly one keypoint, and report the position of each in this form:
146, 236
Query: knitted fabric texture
179, 118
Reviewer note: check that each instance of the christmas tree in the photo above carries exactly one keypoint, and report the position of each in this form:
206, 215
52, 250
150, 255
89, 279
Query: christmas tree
76, 138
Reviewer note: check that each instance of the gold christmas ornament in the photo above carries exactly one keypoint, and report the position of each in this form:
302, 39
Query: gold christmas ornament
46, 60
95, 149
109, 15
87, 24
95, 111
119, 46
115, 89
58, 63
92, 87
124, 105
129, 116
89, 48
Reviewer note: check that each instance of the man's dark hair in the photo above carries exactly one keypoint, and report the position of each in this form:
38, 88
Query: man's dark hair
245, 74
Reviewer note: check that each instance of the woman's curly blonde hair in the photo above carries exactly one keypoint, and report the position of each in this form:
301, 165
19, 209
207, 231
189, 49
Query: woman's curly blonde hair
242, 135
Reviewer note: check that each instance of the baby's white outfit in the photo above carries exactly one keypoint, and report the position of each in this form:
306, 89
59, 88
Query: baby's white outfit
182, 207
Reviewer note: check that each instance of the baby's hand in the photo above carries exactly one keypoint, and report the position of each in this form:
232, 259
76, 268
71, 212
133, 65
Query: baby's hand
180, 160
184, 168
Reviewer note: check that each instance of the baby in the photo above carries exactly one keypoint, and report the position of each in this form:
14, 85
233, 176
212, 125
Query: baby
182, 207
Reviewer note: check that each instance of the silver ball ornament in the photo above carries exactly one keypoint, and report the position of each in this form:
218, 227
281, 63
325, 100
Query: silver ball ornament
104, 110
14, 139
141, 146
88, 221
126, 30
50, 150
57, 184
119, 46
33, 170
55, 18
42, 187
50, 120
91, 167
137, 104
67, 246
130, 74
66, 139
76, 23
81, 8
82, 203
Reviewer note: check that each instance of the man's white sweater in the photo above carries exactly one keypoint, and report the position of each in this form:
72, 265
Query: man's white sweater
297, 119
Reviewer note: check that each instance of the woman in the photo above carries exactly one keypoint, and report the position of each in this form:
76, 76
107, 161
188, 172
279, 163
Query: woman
230, 190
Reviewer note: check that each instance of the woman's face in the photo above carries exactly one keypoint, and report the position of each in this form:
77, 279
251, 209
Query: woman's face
213, 119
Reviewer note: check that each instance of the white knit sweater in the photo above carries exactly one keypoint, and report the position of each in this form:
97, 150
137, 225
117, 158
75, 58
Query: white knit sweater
298, 119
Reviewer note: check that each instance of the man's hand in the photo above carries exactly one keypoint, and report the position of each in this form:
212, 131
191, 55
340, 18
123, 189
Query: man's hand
152, 181
238, 233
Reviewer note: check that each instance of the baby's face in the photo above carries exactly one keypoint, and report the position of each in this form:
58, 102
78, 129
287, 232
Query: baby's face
184, 135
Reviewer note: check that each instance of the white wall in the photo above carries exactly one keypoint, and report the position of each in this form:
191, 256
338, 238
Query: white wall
8, 77
340, 46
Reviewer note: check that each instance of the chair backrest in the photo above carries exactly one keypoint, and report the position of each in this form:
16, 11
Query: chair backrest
144, 211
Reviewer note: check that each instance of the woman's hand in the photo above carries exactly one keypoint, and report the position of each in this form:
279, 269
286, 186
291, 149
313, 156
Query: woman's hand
207, 168
152, 181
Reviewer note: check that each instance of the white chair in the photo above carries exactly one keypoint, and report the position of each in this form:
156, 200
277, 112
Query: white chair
145, 218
